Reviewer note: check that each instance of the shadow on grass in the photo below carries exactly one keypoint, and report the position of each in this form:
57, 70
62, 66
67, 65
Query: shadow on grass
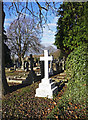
60, 85
15, 87
38, 78
55, 73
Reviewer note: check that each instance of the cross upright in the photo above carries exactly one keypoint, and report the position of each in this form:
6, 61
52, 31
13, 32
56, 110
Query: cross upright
46, 58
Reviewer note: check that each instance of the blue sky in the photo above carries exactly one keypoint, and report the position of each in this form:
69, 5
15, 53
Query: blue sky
48, 34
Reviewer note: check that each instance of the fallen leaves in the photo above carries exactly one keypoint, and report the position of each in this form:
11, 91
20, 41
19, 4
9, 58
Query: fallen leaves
23, 104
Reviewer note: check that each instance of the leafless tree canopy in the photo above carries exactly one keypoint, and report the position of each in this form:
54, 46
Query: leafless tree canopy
37, 10
19, 32
23, 35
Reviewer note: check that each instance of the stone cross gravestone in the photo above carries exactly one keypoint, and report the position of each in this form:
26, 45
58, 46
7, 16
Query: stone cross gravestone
31, 62
46, 88
46, 58
31, 78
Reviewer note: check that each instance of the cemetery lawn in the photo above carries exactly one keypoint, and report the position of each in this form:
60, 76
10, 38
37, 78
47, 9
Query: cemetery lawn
16, 73
22, 104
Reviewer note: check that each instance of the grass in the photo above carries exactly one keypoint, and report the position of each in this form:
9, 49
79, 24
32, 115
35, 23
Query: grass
16, 73
22, 104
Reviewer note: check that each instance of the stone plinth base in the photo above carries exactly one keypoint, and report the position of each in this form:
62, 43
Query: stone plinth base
46, 88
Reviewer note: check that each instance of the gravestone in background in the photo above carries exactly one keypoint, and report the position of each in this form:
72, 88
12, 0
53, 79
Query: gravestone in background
17, 63
27, 66
31, 76
34, 64
57, 67
63, 63
46, 88
24, 65
51, 72
22, 60
15, 67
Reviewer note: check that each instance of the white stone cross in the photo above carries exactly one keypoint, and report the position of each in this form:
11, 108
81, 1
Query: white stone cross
46, 58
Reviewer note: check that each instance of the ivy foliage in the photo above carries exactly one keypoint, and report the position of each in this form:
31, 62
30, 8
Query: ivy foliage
72, 26
77, 72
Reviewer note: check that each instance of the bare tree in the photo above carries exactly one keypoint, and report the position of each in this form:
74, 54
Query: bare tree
5, 87
38, 11
23, 33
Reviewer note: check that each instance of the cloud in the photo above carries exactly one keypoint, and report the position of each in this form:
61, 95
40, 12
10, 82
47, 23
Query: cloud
8, 19
49, 34
46, 43
7, 24
52, 24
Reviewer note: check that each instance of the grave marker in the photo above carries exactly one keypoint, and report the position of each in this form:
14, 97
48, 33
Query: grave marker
31, 78
51, 68
22, 67
46, 88
46, 58
31, 62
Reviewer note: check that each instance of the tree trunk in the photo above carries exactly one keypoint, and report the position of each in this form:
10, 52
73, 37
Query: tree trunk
5, 86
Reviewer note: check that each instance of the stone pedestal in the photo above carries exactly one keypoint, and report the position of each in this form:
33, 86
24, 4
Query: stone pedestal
46, 88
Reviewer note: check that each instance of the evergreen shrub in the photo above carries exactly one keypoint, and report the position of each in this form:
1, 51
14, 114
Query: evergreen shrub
77, 74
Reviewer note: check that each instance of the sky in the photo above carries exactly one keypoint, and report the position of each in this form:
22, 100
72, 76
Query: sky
49, 32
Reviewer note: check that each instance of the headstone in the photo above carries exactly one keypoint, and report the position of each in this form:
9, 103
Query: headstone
63, 63
31, 62
15, 67
36, 61
51, 68
24, 66
31, 78
17, 63
46, 88
34, 64
27, 66
22, 60
60, 65
57, 67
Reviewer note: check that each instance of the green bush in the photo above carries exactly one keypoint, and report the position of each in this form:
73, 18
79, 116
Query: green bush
72, 104
77, 72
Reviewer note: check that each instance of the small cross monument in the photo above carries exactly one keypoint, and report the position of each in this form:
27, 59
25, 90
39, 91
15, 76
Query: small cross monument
46, 88
46, 58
